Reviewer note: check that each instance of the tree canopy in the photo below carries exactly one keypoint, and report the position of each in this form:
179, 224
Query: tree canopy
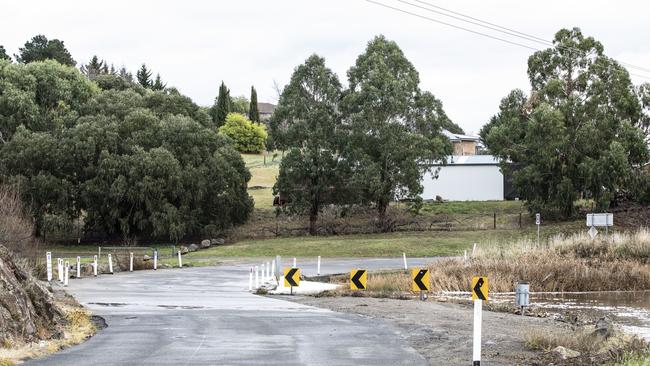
246, 136
577, 134
253, 110
222, 106
39, 48
3, 54
136, 162
395, 128
308, 123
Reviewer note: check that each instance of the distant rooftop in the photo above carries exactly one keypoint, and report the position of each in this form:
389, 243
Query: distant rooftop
460, 137
266, 108
471, 160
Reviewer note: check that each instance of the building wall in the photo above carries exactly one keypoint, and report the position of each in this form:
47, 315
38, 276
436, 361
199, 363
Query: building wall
465, 183
464, 147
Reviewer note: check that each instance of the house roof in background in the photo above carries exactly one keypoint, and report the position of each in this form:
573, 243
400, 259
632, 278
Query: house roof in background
266, 108
460, 137
469, 160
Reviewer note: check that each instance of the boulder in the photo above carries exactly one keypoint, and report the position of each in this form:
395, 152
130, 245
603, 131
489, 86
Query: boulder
193, 247
205, 243
146, 258
565, 353
219, 241
184, 249
604, 328
27, 308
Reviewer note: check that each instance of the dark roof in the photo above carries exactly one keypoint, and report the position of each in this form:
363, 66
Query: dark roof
266, 108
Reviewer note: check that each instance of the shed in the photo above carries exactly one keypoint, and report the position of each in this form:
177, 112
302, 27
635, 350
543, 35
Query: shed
466, 178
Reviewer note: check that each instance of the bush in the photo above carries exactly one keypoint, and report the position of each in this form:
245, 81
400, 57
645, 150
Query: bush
246, 135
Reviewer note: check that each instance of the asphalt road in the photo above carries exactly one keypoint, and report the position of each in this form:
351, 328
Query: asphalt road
205, 316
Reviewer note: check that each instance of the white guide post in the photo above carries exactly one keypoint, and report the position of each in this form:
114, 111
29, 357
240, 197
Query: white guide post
130, 262
66, 275
268, 270
110, 263
257, 277
48, 260
273, 268
478, 318
155, 260
78, 267
95, 264
405, 265
263, 272
250, 280
180, 261
59, 268
318, 266
294, 262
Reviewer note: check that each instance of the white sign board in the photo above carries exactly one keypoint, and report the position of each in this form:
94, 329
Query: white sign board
600, 219
538, 219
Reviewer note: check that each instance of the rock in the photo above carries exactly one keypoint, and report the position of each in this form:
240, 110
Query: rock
213, 241
184, 249
205, 243
439, 199
604, 328
565, 353
217, 241
146, 258
193, 247
27, 308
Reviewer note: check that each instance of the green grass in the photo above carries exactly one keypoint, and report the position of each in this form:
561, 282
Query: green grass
474, 207
262, 175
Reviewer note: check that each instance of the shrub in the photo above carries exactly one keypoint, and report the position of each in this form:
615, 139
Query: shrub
246, 135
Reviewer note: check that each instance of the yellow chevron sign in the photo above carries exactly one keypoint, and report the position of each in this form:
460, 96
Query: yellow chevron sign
420, 280
292, 277
358, 279
480, 288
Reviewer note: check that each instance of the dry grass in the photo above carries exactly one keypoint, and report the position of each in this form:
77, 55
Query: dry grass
567, 263
79, 328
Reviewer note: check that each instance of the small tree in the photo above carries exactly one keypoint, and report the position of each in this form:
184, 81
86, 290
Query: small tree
41, 49
253, 111
144, 76
158, 84
247, 136
3, 54
222, 105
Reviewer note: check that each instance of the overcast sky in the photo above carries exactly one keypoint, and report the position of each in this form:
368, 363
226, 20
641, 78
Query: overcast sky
196, 44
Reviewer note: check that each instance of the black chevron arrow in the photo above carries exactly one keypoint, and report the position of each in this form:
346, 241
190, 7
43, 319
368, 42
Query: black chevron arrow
418, 280
356, 279
477, 289
289, 277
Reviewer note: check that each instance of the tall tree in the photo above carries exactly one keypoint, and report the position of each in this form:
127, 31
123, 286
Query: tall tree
576, 134
144, 76
239, 105
158, 84
93, 68
40, 49
222, 106
3, 54
395, 128
307, 123
253, 111
125, 74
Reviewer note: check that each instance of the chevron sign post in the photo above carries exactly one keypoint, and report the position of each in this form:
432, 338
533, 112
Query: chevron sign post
358, 279
292, 277
479, 294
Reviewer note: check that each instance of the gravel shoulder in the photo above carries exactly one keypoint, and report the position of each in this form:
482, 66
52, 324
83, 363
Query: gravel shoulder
442, 332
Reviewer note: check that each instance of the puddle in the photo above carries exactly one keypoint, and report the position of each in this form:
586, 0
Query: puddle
107, 303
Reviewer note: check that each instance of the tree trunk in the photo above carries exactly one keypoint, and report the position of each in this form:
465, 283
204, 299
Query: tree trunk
381, 209
313, 218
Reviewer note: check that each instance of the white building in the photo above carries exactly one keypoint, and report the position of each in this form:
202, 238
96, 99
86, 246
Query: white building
466, 178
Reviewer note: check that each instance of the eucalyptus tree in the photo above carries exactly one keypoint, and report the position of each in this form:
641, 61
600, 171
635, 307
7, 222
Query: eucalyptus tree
577, 134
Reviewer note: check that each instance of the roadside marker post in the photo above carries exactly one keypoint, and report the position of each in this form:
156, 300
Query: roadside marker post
358, 279
99, 252
538, 222
480, 293
66, 275
263, 271
420, 281
155, 259
180, 261
318, 266
292, 278
273, 269
257, 277
78, 267
268, 271
110, 263
250, 280
95, 265
59, 269
48, 260
278, 267
131, 262
294, 262
405, 266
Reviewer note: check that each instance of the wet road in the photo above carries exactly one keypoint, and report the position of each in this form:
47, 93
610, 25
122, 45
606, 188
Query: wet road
205, 316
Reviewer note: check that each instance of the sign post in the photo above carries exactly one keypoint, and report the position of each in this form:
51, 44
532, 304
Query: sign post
48, 259
358, 279
538, 222
599, 220
292, 277
479, 294
420, 281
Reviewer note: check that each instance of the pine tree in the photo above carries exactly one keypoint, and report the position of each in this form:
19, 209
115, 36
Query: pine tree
124, 74
3, 54
223, 105
144, 76
253, 111
92, 68
158, 84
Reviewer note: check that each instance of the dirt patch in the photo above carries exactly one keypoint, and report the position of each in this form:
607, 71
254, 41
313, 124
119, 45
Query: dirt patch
442, 332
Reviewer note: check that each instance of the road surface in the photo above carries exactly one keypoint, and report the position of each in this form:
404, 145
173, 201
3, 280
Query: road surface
206, 316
